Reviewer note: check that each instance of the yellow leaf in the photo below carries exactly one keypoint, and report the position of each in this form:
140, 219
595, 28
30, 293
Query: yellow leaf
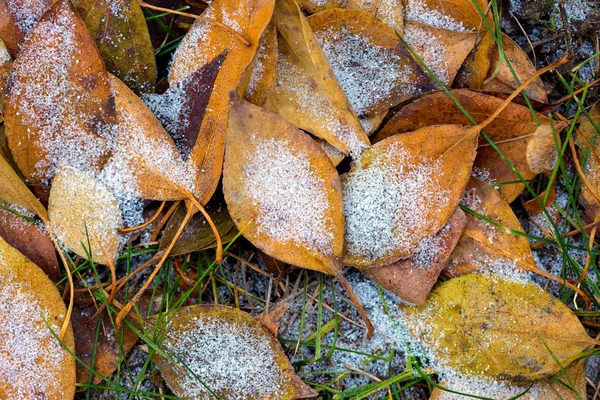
389, 11
85, 215
14, 191
489, 326
454, 15
33, 363
259, 78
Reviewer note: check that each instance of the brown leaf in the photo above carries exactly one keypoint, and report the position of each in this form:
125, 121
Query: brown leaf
542, 153
483, 246
511, 130
260, 76
145, 155
316, 6
85, 215
271, 320
412, 279
34, 362
17, 19
121, 34
30, 239
476, 66
203, 43
502, 80
106, 350
442, 50
274, 266
403, 190
307, 92
374, 68
14, 191
586, 137
282, 191
389, 11
58, 103
229, 352
455, 15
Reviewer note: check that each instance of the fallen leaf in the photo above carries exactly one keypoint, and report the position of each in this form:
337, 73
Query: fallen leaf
412, 279
271, 320
374, 68
502, 80
315, 6
511, 130
403, 190
334, 155
85, 215
542, 153
121, 34
58, 105
5, 68
17, 19
489, 326
389, 11
230, 354
32, 240
371, 124
454, 15
145, 156
33, 362
204, 42
475, 69
260, 76
307, 92
14, 191
483, 246
282, 191
590, 162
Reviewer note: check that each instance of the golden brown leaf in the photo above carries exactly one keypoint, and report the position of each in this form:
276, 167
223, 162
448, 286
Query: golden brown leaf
315, 6
58, 103
229, 352
403, 190
121, 34
282, 191
588, 137
483, 246
542, 153
374, 68
412, 279
203, 43
271, 320
389, 11
511, 130
259, 78
307, 92
17, 19
490, 326
85, 215
14, 191
455, 15
30, 239
476, 66
33, 363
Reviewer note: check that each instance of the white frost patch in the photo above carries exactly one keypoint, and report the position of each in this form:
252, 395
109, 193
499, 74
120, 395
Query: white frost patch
26, 13
417, 11
430, 48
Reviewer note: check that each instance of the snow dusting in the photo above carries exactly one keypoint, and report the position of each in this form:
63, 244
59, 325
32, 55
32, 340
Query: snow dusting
430, 48
26, 13
416, 10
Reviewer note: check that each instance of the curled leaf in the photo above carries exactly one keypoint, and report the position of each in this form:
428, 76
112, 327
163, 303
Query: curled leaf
226, 353
85, 216
488, 326
260, 76
33, 363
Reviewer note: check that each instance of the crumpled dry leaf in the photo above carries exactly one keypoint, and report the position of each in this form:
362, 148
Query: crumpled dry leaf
307, 92
17, 19
31, 240
403, 190
271, 320
282, 191
203, 43
58, 103
121, 34
412, 279
34, 363
14, 191
542, 153
512, 130
389, 11
229, 352
490, 326
373, 66
483, 246
260, 76
84, 213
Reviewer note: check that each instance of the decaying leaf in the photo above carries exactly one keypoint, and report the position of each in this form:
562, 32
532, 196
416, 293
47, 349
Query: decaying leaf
122, 37
58, 103
511, 130
282, 191
489, 326
14, 191
412, 279
103, 350
389, 11
33, 363
260, 76
442, 51
483, 246
588, 145
271, 320
17, 19
403, 190
31, 240
374, 68
230, 354
501, 79
197, 234
85, 215
542, 153
145, 155
307, 92
475, 69
203, 43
